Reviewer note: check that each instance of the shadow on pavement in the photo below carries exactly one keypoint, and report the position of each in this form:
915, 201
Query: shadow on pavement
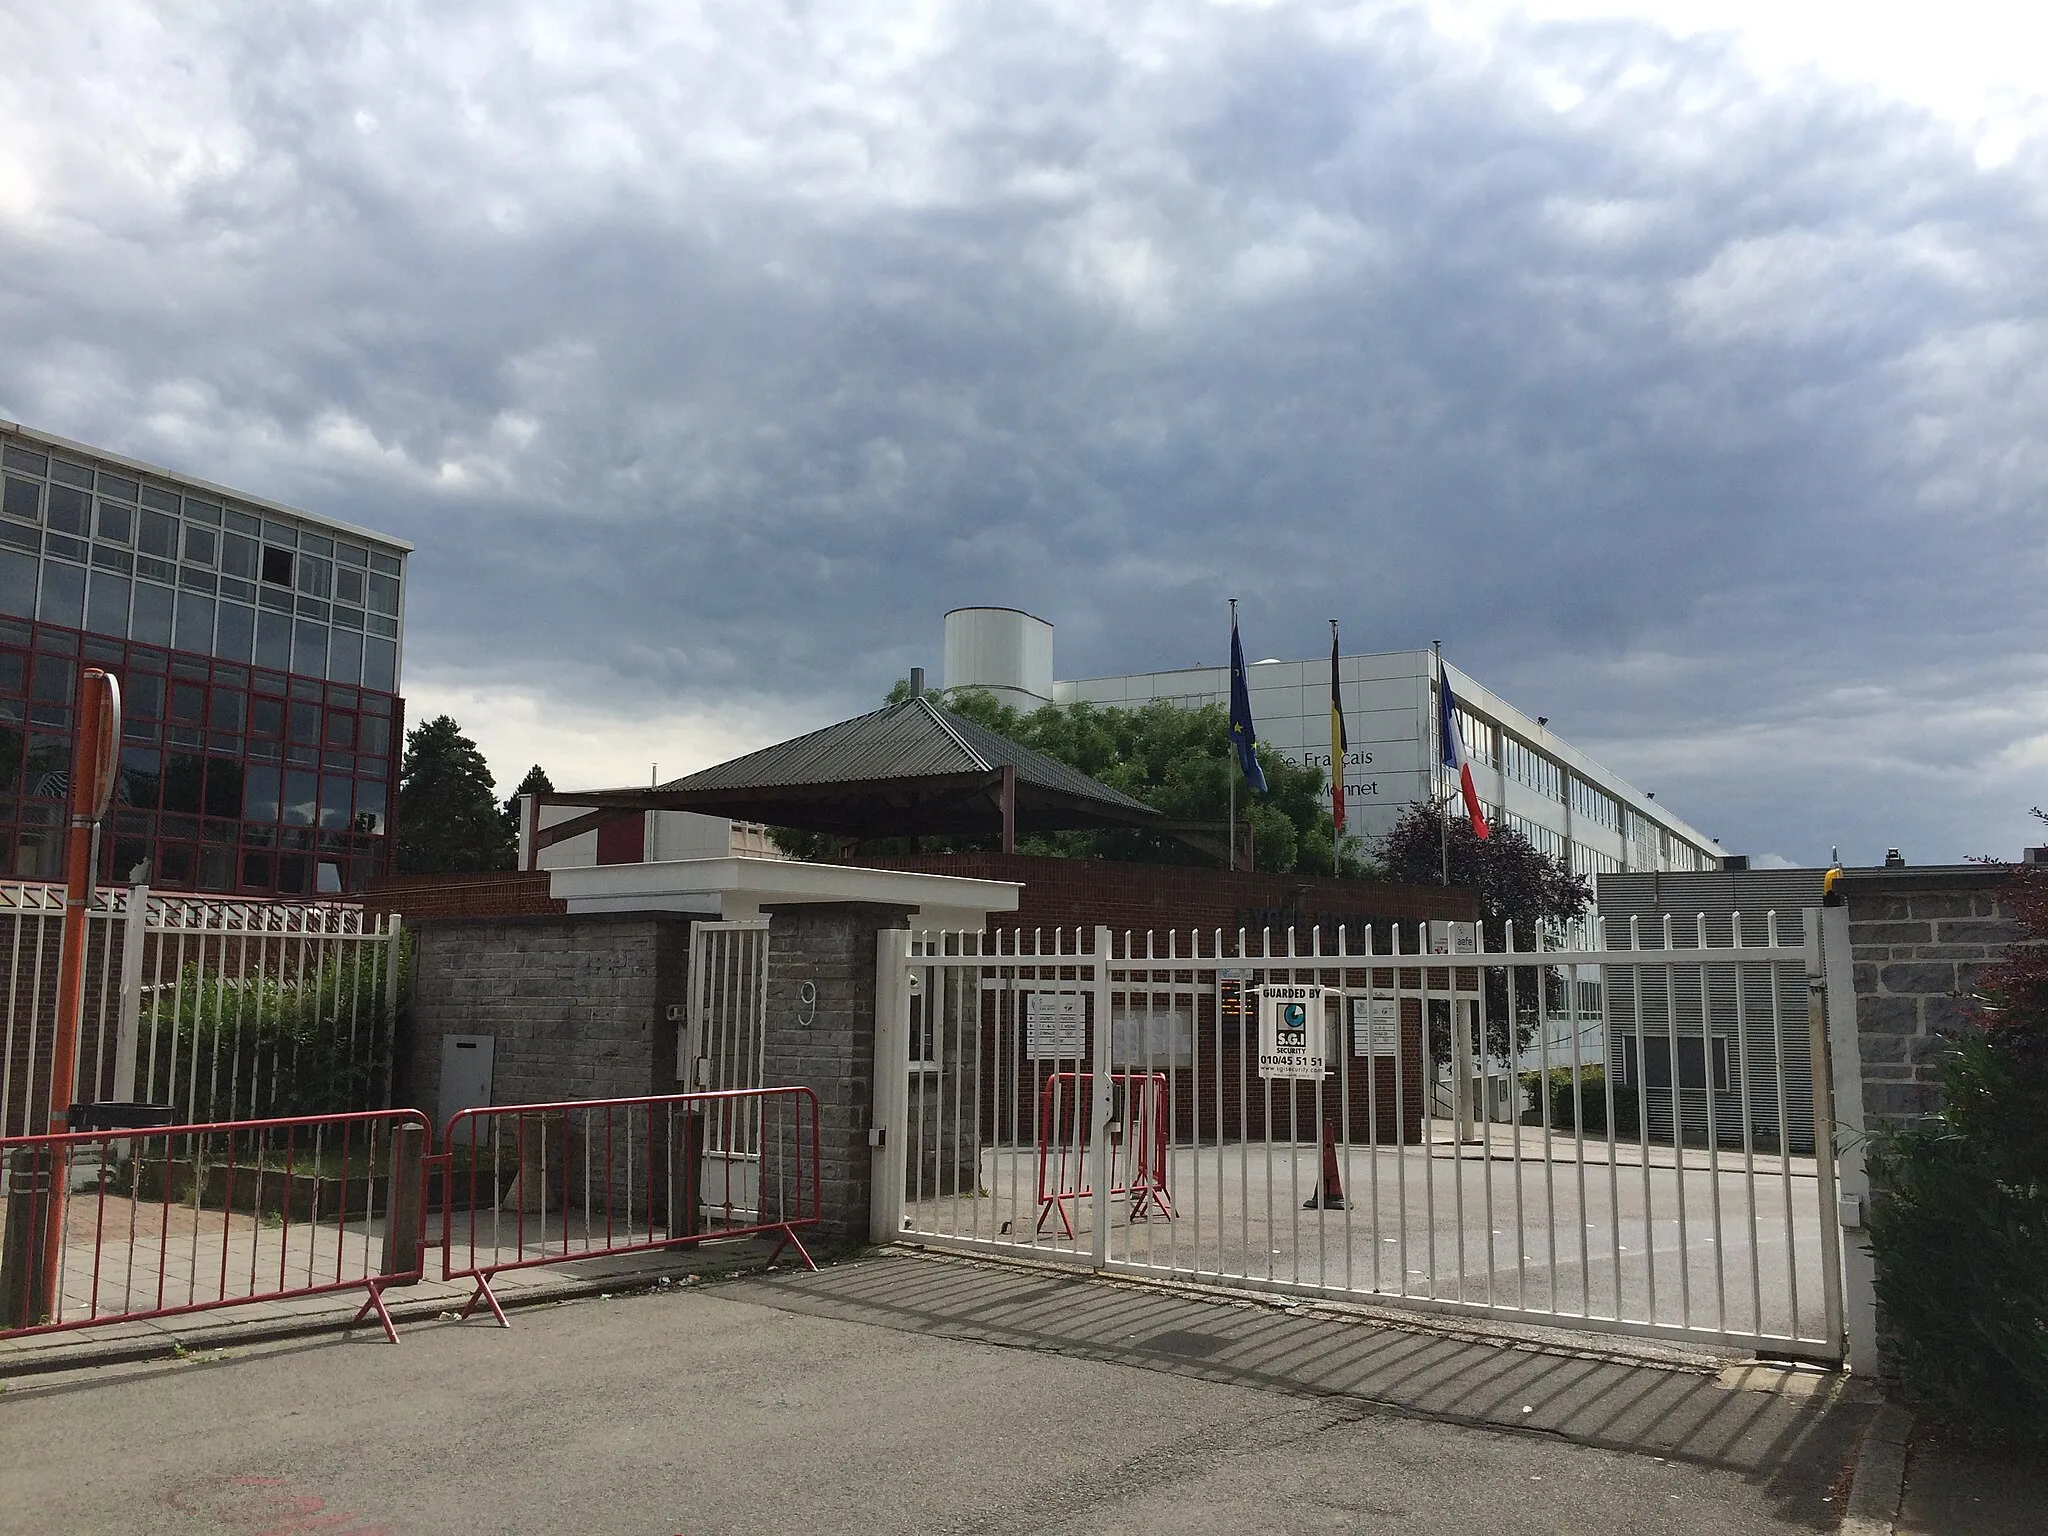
1793, 1445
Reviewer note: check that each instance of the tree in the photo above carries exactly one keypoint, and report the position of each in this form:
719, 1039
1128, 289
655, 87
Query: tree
1516, 885
449, 819
536, 782
1178, 761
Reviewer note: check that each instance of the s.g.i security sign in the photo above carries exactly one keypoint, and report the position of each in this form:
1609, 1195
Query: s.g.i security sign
1291, 1033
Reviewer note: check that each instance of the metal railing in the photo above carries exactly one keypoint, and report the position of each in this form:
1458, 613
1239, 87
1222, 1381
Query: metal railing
532, 1184
190, 1218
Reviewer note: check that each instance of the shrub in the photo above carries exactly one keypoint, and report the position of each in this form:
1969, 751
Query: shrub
1959, 1229
1588, 1095
228, 1048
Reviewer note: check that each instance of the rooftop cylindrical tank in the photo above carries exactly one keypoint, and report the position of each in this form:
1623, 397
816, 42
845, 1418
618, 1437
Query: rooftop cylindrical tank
1004, 650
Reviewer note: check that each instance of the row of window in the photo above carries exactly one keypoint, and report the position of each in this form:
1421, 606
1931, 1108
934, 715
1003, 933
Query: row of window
1594, 805
1591, 861
128, 501
109, 603
231, 778
1525, 765
1546, 842
35, 851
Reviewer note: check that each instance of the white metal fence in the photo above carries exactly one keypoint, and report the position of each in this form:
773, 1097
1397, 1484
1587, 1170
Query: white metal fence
1626, 1200
220, 1009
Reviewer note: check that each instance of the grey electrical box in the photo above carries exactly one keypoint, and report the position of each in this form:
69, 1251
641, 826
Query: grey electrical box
465, 1074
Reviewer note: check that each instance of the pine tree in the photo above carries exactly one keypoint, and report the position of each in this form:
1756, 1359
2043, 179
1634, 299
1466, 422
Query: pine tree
449, 819
536, 782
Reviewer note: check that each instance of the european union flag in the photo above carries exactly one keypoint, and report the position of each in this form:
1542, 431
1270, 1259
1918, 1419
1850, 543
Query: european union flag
1242, 736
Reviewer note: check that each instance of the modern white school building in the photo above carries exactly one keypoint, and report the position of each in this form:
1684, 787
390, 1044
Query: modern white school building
1569, 806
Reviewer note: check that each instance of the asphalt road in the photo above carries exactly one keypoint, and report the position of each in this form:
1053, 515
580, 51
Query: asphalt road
850, 1402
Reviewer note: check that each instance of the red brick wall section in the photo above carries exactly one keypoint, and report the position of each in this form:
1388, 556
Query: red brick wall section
490, 893
1081, 893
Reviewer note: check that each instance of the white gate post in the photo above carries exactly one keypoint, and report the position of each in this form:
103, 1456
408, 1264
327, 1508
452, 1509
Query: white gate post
1845, 1057
129, 1028
1104, 1101
888, 1129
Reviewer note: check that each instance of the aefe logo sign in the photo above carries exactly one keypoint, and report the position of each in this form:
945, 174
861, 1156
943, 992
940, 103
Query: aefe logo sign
1291, 1033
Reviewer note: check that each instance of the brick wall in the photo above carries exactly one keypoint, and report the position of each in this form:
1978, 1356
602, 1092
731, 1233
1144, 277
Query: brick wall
576, 1007
1071, 893
492, 893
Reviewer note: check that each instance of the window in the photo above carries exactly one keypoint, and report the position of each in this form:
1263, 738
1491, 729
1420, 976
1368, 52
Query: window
201, 546
238, 556
383, 594
348, 586
117, 524
315, 576
119, 486
1692, 1062
69, 511
24, 499
277, 566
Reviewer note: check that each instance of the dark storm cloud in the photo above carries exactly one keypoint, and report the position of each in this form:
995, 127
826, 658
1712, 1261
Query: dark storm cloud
715, 357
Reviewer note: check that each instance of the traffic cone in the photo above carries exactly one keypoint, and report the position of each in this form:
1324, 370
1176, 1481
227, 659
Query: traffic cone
1330, 1195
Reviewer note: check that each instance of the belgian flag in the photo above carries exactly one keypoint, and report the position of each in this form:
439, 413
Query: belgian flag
1338, 743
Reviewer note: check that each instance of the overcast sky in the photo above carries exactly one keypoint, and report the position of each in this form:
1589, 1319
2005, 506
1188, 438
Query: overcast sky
1679, 363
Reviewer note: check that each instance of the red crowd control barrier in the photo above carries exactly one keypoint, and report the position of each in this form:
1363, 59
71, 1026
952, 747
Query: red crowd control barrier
186, 1218
531, 1184
1137, 1144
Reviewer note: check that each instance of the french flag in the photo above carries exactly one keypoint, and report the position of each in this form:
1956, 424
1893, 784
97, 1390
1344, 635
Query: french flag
1454, 753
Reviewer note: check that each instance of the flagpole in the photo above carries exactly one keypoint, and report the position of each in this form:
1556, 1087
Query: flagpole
1436, 648
1231, 834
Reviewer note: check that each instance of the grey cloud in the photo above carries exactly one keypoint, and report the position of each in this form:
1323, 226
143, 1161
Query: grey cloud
722, 357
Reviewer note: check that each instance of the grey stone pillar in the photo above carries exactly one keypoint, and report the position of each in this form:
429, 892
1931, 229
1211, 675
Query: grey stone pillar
823, 1039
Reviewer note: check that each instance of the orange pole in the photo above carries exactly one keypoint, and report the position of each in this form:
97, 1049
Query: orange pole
94, 749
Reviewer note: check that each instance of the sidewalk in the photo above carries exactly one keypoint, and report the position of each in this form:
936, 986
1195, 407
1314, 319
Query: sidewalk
1957, 1490
253, 1322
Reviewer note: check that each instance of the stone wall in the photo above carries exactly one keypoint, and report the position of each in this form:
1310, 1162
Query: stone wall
1921, 940
825, 1040
576, 1007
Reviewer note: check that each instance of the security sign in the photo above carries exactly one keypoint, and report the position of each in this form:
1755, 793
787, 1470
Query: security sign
1291, 1033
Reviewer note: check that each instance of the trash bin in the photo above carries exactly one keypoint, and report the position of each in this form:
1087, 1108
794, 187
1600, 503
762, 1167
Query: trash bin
118, 1115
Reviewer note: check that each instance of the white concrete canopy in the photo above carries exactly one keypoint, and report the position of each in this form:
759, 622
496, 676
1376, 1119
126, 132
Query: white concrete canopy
739, 887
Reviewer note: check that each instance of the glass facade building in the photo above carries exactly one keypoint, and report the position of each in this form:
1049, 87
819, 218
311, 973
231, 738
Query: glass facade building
258, 649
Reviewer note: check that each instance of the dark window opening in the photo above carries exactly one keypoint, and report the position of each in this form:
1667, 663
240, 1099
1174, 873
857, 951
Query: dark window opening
277, 566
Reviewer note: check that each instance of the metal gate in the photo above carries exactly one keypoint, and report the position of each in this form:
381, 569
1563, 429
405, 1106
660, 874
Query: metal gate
1615, 1138
724, 1024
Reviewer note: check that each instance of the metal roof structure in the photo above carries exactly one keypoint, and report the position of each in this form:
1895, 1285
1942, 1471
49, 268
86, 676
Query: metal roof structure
910, 769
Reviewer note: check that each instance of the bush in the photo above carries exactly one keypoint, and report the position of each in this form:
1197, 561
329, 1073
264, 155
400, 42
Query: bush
243, 1047
1959, 1228
1589, 1092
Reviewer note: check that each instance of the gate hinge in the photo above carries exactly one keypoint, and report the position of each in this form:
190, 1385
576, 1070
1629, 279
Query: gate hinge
877, 1135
